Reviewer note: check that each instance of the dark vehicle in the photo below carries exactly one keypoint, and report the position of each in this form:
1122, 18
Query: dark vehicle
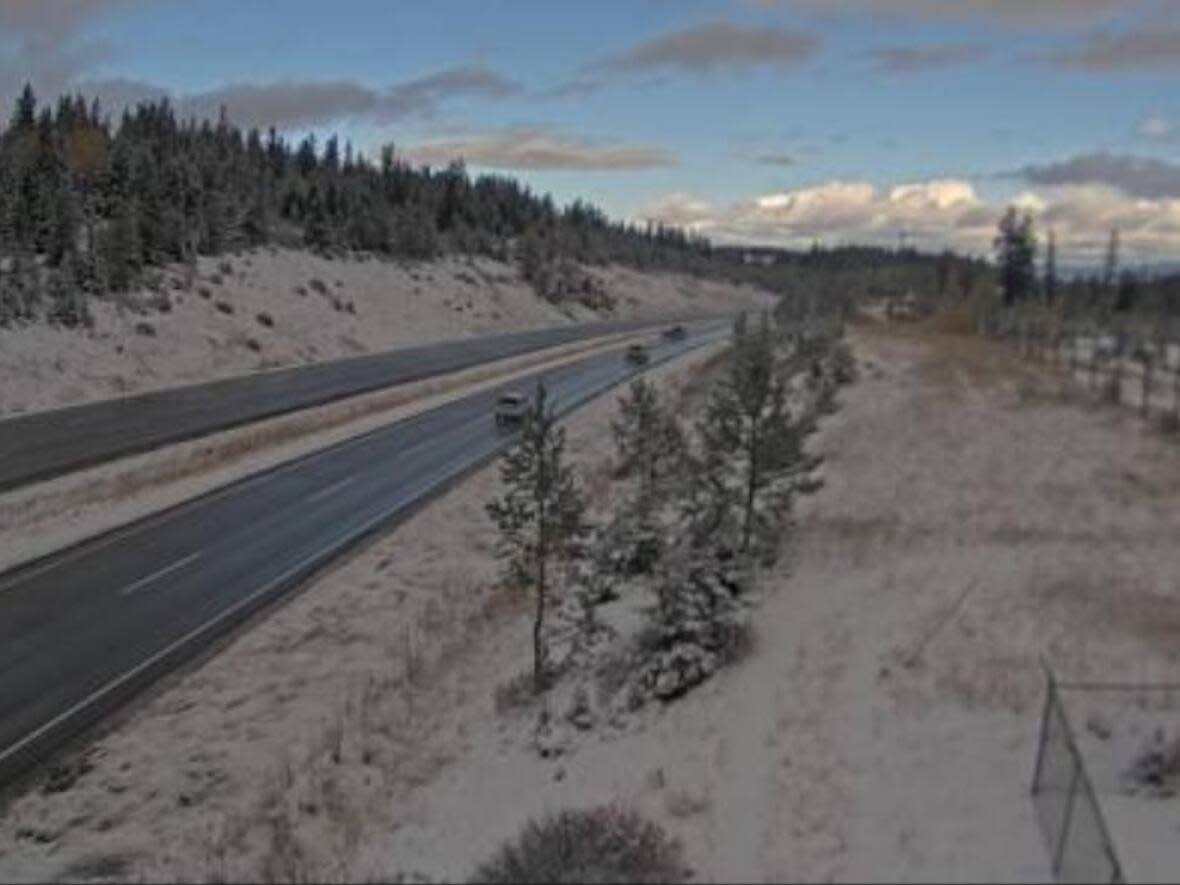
637, 355
511, 409
675, 333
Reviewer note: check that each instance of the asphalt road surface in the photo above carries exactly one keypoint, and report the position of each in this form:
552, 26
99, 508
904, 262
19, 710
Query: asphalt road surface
81, 632
47, 444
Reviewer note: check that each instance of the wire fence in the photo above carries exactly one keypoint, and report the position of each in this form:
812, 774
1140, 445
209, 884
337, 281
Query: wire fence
1076, 835
1138, 370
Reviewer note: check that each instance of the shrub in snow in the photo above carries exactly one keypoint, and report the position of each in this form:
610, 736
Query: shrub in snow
603, 845
1156, 769
699, 625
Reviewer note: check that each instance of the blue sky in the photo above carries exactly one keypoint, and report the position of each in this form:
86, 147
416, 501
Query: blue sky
776, 121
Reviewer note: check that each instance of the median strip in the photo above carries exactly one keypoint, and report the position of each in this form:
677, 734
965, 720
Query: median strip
53, 516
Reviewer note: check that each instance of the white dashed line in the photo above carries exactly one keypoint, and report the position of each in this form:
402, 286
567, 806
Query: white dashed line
155, 576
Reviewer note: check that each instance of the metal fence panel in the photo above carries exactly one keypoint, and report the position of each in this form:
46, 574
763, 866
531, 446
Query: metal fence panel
1075, 832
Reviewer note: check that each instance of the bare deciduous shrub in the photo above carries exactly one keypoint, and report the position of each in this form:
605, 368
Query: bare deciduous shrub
602, 845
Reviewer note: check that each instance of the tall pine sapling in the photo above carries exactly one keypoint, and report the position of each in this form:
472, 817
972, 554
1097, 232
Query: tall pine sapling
648, 440
541, 515
747, 427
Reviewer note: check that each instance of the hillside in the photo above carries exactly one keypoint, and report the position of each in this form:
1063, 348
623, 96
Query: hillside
269, 307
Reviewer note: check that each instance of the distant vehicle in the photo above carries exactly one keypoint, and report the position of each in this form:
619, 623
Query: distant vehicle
637, 355
511, 409
675, 333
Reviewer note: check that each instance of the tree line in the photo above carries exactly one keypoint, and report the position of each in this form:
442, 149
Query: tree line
1109, 290
88, 205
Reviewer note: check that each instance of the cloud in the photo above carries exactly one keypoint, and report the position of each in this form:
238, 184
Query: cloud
1019, 13
421, 95
538, 149
1155, 49
1157, 127
909, 59
773, 158
935, 214
53, 19
1134, 176
41, 43
576, 87
716, 46
292, 104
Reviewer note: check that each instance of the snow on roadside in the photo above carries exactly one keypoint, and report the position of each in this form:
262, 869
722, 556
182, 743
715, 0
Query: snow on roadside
367, 666
883, 727
272, 308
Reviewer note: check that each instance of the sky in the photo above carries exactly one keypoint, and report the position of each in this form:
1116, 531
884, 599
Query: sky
776, 122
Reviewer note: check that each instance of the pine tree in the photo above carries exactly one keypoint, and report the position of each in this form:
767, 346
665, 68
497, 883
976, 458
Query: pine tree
541, 516
67, 302
1016, 249
648, 441
747, 430
1051, 281
25, 114
1110, 267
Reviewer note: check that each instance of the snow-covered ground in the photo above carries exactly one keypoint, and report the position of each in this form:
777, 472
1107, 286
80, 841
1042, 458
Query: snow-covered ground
270, 308
883, 728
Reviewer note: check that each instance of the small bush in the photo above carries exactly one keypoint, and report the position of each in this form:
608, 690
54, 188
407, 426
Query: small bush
224, 307
265, 319
216, 279
205, 293
317, 285
159, 302
145, 329
301, 291
254, 345
1169, 423
227, 269
602, 845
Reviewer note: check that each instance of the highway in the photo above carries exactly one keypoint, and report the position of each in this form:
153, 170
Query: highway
82, 632
46, 444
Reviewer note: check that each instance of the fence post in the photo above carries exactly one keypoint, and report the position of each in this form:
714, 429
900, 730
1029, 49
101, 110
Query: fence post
1050, 696
1067, 820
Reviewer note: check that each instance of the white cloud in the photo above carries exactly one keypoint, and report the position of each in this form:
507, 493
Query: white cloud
1157, 127
538, 149
935, 214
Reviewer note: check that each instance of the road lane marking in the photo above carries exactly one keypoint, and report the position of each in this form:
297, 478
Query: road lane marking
331, 490
304, 565
155, 576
